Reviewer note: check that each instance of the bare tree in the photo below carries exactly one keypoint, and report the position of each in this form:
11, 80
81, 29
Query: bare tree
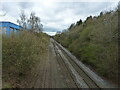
34, 23
23, 20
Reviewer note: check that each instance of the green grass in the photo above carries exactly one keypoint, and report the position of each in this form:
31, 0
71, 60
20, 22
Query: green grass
20, 53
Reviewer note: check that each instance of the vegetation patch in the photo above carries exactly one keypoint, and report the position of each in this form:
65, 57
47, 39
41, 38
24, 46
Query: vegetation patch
95, 43
20, 54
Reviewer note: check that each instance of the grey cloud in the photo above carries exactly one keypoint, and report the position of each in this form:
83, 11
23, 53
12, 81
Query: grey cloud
25, 5
11, 8
83, 8
79, 9
62, 14
50, 29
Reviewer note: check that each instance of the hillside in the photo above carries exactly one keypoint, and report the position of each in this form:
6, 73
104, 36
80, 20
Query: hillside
95, 43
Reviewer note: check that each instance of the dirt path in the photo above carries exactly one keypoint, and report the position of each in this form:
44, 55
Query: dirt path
51, 72
56, 69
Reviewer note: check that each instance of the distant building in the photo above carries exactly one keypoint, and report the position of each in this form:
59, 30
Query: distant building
8, 27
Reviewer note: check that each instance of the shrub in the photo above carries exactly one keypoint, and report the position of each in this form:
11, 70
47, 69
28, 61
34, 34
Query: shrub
20, 53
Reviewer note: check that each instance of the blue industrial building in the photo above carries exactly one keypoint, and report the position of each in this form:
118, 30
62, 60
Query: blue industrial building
8, 27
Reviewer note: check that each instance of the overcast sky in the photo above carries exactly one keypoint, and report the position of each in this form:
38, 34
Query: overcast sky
55, 16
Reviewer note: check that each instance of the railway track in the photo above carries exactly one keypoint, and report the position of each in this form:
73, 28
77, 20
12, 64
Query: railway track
81, 75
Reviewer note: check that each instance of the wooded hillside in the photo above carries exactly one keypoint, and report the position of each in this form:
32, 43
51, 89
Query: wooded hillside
95, 43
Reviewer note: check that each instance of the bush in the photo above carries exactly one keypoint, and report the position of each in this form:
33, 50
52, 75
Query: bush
20, 53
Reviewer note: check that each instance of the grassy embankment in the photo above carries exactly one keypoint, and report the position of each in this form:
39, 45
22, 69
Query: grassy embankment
20, 53
94, 42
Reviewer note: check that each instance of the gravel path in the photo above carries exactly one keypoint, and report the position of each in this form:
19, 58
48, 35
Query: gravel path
50, 72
